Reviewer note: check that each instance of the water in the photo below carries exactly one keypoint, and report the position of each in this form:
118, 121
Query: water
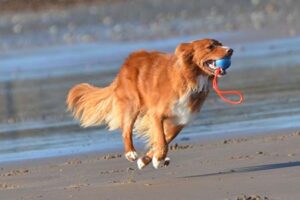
34, 83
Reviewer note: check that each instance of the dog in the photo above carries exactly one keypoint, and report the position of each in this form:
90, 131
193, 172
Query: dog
154, 95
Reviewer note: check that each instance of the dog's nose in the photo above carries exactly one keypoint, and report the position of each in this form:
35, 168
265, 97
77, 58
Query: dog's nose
230, 51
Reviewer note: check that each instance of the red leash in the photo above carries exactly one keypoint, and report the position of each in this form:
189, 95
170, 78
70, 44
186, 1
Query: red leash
221, 93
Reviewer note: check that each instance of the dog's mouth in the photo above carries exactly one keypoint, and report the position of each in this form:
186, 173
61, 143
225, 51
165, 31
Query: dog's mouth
211, 66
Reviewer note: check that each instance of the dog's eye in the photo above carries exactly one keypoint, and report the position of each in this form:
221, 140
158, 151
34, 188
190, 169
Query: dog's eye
211, 47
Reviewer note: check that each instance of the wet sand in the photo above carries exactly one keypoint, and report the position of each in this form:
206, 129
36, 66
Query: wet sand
266, 165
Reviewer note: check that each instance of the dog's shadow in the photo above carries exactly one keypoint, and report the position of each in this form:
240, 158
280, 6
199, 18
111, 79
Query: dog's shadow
249, 169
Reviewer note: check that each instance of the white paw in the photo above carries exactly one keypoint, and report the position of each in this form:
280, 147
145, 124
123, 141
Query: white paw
140, 163
167, 161
131, 156
155, 162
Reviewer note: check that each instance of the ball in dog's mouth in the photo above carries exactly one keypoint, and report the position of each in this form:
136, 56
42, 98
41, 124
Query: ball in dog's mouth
223, 63
213, 65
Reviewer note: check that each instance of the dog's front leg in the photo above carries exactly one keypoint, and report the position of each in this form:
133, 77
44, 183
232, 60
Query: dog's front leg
160, 146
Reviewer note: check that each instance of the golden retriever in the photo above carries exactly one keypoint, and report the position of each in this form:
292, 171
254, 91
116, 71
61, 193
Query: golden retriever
155, 94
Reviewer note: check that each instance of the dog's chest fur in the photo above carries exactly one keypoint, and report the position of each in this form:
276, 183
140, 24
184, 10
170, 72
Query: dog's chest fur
181, 108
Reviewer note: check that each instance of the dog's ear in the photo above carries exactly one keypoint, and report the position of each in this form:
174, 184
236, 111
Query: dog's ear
184, 52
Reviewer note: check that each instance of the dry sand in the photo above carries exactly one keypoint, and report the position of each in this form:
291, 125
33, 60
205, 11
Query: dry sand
264, 165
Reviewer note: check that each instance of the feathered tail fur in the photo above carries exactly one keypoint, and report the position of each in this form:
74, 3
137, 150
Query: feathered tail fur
94, 106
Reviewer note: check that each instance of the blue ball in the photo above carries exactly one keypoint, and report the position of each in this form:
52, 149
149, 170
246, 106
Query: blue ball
223, 63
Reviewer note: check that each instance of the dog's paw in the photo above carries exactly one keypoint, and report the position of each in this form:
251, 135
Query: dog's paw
143, 162
167, 162
140, 164
155, 162
131, 156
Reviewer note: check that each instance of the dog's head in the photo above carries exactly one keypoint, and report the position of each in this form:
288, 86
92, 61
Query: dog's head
203, 54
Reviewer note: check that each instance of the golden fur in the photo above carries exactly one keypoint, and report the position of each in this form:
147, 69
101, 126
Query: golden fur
154, 93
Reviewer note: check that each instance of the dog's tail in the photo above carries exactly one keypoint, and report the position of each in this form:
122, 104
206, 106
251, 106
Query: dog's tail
94, 106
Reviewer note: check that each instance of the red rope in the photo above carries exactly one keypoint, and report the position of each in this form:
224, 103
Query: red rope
221, 93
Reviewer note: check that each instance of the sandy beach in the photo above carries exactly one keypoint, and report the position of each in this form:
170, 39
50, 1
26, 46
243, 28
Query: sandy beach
250, 167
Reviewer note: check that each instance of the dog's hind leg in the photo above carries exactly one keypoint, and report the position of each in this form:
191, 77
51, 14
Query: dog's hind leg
171, 131
128, 119
158, 140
